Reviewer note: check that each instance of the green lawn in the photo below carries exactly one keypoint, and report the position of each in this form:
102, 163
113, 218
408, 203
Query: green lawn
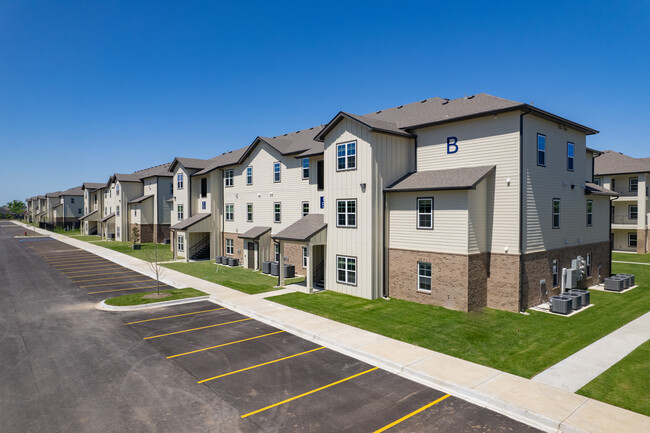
146, 253
61, 231
515, 343
138, 298
628, 257
625, 384
239, 278
89, 238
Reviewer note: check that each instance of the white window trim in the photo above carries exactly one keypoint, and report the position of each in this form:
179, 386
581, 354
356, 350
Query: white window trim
555, 272
277, 213
230, 247
249, 215
302, 166
570, 157
180, 212
421, 290
542, 151
629, 243
347, 260
305, 256
232, 212
418, 200
630, 184
346, 146
278, 173
229, 178
559, 212
302, 208
180, 243
629, 212
180, 181
249, 175
590, 214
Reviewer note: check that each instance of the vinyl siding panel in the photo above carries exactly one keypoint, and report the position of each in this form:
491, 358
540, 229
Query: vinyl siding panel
483, 141
181, 196
480, 201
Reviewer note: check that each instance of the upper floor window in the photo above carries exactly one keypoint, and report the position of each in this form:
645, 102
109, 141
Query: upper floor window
346, 156
117, 210
179, 181
228, 176
179, 211
95, 198
305, 208
633, 212
569, 156
634, 184
613, 184
346, 211
541, 150
597, 181
590, 212
79, 211
277, 212
203, 205
276, 172
230, 212
249, 212
204, 187
171, 187
72, 198
117, 188
556, 213
249, 175
425, 213
305, 168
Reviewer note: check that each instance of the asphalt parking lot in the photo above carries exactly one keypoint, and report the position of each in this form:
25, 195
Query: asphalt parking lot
191, 367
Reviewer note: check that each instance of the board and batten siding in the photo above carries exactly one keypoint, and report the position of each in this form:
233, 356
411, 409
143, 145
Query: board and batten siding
544, 183
181, 196
380, 159
489, 140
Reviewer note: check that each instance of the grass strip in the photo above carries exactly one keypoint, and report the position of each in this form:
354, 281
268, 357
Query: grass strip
138, 298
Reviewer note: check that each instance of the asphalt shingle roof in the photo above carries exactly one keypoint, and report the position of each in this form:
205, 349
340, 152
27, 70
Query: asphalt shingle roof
182, 225
303, 229
255, 232
610, 162
141, 198
448, 179
592, 188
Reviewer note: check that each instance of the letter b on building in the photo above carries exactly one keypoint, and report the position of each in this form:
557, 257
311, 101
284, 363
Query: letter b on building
452, 147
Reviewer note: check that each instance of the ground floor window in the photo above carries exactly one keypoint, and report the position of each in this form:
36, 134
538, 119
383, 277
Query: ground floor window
424, 277
117, 231
346, 270
589, 264
181, 243
230, 246
305, 255
631, 240
555, 269
277, 253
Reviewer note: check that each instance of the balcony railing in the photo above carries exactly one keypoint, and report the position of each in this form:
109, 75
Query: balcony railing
617, 219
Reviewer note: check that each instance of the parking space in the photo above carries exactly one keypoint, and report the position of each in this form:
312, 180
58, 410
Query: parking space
286, 383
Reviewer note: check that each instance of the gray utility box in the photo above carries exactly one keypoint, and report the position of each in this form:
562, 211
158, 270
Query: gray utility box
584, 295
217, 259
289, 271
275, 269
561, 304
572, 278
615, 284
266, 267
628, 277
576, 300
233, 262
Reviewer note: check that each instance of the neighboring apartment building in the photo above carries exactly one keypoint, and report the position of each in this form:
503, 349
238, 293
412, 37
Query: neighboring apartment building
93, 204
629, 212
29, 210
464, 203
63, 208
137, 200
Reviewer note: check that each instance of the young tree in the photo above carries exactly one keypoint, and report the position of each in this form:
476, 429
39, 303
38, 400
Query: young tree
156, 268
135, 234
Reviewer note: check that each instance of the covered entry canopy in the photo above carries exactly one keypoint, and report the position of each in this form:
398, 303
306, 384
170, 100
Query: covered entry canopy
257, 246
255, 233
92, 216
191, 222
303, 229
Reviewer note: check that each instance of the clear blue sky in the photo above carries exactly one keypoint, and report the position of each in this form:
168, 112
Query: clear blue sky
89, 88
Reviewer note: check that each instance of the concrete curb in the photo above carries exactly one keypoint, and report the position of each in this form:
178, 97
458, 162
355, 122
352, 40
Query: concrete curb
105, 307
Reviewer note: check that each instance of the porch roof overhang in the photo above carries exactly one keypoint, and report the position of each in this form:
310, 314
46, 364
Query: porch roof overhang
185, 224
107, 218
465, 178
140, 199
255, 233
593, 189
303, 229
92, 216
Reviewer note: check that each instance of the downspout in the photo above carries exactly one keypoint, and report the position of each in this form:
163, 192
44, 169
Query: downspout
223, 214
521, 210
383, 251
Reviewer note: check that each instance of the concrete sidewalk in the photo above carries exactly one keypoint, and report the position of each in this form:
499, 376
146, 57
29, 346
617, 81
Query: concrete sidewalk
543, 406
582, 367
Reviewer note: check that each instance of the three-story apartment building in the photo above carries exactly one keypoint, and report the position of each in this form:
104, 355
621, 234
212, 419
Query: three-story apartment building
629, 212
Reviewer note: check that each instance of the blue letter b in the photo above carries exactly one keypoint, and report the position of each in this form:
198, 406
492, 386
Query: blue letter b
452, 147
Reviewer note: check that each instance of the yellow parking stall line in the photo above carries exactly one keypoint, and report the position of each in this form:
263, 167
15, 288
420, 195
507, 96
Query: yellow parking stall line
91, 269
68, 257
104, 279
415, 412
64, 255
94, 275
89, 263
175, 315
261, 365
196, 329
122, 290
222, 345
304, 394
114, 284
80, 260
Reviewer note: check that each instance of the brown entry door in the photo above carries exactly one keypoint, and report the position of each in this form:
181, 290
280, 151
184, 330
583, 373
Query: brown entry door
251, 255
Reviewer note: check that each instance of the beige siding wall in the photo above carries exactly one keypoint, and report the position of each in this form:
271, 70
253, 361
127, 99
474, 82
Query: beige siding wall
589, 160
482, 141
128, 192
543, 184
181, 196
450, 222
480, 223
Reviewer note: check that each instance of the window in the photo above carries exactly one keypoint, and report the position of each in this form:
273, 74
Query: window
633, 212
590, 215
180, 242
305, 208
72, 198
346, 156
249, 212
424, 277
346, 268
597, 181
305, 168
203, 205
105, 211
556, 213
230, 212
320, 174
276, 172
305, 255
204, 187
228, 176
117, 188
277, 252
179, 209
95, 198
179, 181
555, 268
230, 247
117, 231
634, 184
117, 210
589, 264
631, 240
249, 175
79, 211
569, 156
346, 211
277, 212
135, 212
425, 213
541, 150
171, 188
613, 183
